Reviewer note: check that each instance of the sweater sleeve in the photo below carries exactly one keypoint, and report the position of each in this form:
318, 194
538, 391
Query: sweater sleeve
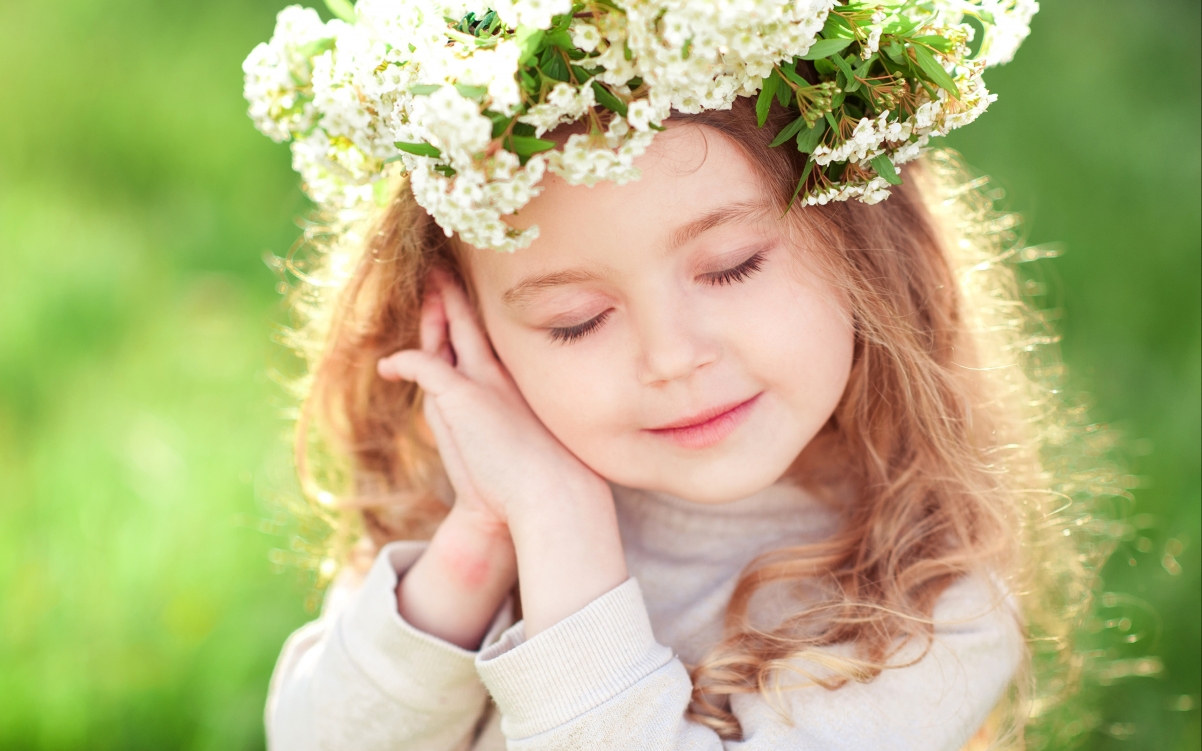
362, 678
600, 681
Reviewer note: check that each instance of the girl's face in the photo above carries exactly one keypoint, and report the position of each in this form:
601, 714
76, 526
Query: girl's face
668, 331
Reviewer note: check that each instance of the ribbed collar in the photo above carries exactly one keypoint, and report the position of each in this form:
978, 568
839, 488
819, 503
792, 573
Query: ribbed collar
663, 525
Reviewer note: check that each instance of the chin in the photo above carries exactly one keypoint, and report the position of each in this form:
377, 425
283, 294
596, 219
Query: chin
719, 492
718, 481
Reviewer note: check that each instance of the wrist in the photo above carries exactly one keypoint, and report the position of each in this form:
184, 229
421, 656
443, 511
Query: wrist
455, 587
554, 502
474, 549
570, 553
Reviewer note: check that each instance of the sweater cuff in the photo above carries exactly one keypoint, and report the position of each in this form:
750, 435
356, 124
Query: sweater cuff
416, 669
573, 667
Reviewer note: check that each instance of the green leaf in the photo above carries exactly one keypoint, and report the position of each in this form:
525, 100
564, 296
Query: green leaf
500, 123
471, 92
316, 47
763, 103
848, 74
836, 27
903, 25
825, 67
943, 44
529, 41
582, 74
825, 48
342, 9
866, 66
528, 81
805, 175
896, 52
934, 70
422, 89
527, 146
784, 95
555, 67
808, 139
560, 38
792, 74
420, 149
607, 100
884, 167
789, 131
445, 169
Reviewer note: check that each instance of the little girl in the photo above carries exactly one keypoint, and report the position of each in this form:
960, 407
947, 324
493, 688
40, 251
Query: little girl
713, 458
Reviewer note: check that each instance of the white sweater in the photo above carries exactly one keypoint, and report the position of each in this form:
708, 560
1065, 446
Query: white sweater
612, 676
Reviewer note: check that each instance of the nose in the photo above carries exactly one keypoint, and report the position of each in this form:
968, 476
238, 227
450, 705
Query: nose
673, 342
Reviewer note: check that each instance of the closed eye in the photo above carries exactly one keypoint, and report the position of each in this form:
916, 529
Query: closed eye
569, 334
737, 273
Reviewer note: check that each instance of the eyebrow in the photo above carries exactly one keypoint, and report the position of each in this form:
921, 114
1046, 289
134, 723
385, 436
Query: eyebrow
734, 212
527, 288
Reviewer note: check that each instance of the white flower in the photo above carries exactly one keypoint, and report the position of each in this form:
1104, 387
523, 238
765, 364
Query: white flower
1012, 24
875, 191
585, 36
453, 122
731, 45
639, 114
496, 70
897, 131
278, 73
345, 93
872, 43
565, 103
534, 13
911, 151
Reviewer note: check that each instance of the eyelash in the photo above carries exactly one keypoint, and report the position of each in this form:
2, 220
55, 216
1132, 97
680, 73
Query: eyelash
569, 334
738, 273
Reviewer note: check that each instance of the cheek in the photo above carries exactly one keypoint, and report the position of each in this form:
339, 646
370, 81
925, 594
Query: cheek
804, 349
569, 388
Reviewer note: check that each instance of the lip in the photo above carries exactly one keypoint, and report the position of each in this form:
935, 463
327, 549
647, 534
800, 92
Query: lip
707, 427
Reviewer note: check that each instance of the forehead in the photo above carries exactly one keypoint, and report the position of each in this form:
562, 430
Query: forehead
689, 172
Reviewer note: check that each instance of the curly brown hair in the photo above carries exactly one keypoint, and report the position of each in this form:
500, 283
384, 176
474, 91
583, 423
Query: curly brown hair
953, 453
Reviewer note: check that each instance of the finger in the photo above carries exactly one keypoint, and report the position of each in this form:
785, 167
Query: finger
433, 374
452, 463
468, 339
433, 325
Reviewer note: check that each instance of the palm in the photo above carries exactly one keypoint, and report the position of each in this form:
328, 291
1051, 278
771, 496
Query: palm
495, 451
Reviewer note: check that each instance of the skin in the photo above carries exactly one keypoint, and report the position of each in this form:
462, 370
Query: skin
588, 352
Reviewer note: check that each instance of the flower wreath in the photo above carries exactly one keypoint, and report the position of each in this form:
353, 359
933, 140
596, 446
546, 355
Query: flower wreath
457, 96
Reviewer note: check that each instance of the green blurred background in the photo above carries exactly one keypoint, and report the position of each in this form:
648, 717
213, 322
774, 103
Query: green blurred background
145, 583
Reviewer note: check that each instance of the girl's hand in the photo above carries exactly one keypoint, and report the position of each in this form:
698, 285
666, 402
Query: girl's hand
509, 472
501, 460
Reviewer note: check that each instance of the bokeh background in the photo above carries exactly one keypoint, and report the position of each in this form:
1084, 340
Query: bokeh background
147, 579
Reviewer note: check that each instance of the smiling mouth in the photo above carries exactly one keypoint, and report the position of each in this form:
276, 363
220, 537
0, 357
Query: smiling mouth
706, 428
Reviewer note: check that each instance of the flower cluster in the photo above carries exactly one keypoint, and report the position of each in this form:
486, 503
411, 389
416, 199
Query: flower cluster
459, 97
